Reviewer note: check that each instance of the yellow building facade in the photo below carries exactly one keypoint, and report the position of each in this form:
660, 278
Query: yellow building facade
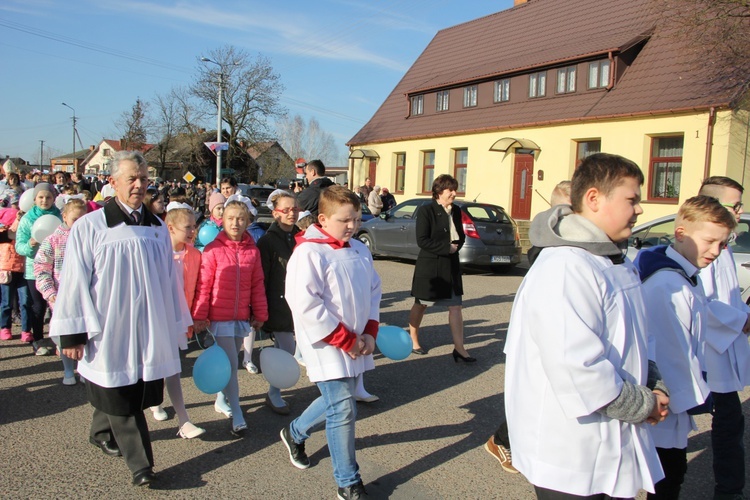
489, 175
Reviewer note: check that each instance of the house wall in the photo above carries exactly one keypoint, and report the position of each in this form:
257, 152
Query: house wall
490, 174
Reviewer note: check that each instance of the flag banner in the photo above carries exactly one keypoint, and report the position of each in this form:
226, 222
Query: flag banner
217, 146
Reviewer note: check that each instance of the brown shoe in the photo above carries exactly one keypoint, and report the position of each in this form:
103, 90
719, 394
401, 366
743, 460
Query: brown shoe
501, 453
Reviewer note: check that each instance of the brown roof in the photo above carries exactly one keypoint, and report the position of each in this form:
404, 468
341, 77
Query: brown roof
533, 36
259, 148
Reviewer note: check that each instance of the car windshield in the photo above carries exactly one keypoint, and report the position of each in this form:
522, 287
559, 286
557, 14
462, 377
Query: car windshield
259, 193
487, 213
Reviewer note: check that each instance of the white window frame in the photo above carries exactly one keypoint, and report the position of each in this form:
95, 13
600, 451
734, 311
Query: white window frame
566, 80
470, 96
417, 105
598, 75
443, 100
538, 84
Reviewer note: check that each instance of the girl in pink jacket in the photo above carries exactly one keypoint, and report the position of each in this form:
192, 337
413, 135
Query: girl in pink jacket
48, 264
231, 296
181, 225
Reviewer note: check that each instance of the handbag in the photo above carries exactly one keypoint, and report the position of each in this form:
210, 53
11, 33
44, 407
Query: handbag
5, 277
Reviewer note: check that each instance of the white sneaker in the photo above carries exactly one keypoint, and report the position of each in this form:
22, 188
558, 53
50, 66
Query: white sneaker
370, 398
249, 366
70, 380
159, 413
190, 431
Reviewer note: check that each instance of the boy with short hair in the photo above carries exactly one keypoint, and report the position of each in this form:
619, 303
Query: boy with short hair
578, 382
336, 320
727, 351
677, 315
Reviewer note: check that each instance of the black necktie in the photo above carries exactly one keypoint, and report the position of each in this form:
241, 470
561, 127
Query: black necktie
135, 215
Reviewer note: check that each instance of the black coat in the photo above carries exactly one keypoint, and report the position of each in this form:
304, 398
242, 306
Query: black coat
275, 250
308, 198
437, 271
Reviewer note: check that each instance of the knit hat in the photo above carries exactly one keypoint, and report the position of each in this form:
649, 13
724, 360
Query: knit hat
44, 186
214, 200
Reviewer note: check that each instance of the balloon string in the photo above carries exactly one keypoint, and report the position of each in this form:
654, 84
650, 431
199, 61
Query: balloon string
198, 340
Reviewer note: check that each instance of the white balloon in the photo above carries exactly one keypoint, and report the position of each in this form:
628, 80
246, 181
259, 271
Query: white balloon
26, 201
44, 226
279, 367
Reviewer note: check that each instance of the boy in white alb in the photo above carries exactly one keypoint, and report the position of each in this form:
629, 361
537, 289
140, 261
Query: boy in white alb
578, 382
334, 294
727, 352
677, 315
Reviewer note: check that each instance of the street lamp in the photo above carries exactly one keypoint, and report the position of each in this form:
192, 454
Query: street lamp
218, 111
74, 135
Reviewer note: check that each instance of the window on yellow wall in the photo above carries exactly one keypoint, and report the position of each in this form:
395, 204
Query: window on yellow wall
428, 171
461, 160
400, 173
587, 148
665, 168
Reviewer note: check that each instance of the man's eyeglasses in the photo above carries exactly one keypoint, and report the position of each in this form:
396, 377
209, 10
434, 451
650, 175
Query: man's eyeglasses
736, 207
285, 211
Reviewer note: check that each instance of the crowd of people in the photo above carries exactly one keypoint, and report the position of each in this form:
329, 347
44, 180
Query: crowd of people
607, 360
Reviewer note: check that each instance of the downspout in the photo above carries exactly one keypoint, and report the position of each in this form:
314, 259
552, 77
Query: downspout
612, 69
709, 142
351, 171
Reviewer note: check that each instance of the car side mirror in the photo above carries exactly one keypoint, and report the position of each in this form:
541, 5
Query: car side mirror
384, 215
636, 243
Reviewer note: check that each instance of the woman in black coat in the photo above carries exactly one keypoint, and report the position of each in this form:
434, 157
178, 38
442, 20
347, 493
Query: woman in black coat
437, 273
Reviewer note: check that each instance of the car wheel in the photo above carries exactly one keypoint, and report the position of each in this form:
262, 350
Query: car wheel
367, 240
503, 269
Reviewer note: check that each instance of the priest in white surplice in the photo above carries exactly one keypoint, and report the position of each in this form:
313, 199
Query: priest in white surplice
120, 314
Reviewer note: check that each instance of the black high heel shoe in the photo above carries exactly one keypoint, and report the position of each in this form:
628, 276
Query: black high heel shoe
465, 359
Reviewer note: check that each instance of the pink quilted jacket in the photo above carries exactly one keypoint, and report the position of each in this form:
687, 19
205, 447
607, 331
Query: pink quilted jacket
230, 282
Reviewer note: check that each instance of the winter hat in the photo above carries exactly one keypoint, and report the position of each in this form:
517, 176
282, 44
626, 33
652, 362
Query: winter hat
44, 186
215, 199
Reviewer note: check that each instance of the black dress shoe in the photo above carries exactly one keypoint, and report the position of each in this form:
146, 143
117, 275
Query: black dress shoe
144, 477
465, 359
108, 447
419, 350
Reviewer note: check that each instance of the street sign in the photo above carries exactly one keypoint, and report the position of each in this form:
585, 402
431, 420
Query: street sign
217, 146
188, 177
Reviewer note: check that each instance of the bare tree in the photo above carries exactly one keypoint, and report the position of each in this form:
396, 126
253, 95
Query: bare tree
134, 126
717, 36
250, 94
307, 140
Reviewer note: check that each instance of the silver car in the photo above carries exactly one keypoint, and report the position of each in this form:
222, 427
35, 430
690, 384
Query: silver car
661, 232
491, 234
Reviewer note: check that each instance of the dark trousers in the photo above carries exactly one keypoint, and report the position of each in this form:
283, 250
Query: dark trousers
545, 494
38, 309
501, 435
131, 434
727, 429
674, 463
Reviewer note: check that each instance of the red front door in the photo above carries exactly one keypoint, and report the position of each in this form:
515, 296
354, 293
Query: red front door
373, 163
523, 170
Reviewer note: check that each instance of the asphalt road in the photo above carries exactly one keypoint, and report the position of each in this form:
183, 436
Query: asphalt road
422, 440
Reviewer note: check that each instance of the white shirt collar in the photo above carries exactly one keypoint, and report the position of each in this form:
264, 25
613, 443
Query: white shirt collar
689, 268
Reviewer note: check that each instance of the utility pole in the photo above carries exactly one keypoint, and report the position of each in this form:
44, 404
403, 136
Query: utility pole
41, 155
74, 135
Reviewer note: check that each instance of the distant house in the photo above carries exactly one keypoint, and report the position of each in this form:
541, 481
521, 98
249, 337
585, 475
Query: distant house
188, 153
71, 162
510, 103
98, 157
273, 161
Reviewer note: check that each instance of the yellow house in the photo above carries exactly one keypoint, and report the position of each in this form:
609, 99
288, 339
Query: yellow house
511, 102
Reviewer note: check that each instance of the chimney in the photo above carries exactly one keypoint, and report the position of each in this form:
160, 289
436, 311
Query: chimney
123, 142
519, 2
92, 147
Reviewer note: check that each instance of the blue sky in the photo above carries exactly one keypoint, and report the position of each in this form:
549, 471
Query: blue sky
338, 59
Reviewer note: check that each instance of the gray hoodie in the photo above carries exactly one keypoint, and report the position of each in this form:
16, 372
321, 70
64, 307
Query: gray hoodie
560, 227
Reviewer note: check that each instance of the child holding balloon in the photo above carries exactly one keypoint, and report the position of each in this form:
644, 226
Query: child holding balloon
212, 225
48, 264
230, 294
26, 245
180, 220
336, 322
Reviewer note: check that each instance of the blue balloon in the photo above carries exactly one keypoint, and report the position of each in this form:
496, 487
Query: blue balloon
394, 342
207, 234
212, 370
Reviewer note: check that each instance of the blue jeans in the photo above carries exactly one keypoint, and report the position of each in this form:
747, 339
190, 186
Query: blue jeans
17, 286
337, 410
727, 430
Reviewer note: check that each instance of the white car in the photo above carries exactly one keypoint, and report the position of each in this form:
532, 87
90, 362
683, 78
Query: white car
661, 232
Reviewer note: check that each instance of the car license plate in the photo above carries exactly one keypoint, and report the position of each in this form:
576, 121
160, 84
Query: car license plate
500, 259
